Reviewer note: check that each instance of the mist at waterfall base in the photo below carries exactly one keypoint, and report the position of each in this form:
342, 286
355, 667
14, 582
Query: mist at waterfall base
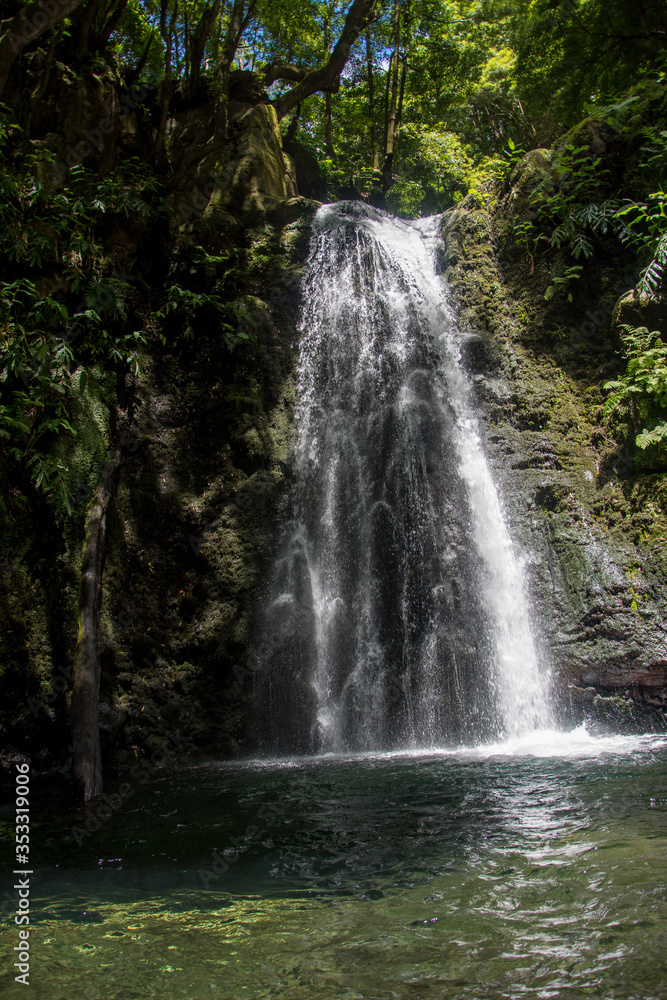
416, 826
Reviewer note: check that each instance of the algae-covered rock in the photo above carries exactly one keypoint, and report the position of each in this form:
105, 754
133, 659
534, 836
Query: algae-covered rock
252, 174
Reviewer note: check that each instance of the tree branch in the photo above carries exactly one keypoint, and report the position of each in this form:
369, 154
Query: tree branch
327, 77
30, 22
282, 71
102, 39
139, 68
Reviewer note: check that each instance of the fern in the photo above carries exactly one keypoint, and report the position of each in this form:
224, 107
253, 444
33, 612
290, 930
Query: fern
652, 277
580, 245
646, 227
658, 435
640, 396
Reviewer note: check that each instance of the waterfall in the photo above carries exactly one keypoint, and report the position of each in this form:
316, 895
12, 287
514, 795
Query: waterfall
396, 612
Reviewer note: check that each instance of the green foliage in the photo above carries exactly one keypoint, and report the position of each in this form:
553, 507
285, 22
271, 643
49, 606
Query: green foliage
572, 273
512, 156
40, 375
188, 305
577, 209
36, 378
647, 229
435, 166
405, 198
579, 50
572, 205
528, 237
639, 397
50, 337
483, 82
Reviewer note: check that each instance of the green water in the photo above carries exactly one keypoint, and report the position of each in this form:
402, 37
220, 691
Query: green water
535, 870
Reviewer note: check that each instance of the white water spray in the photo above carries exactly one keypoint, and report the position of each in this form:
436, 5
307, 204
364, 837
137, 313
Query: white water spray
399, 599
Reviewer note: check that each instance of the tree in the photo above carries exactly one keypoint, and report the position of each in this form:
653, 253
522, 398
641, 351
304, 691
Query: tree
87, 754
325, 78
570, 52
28, 24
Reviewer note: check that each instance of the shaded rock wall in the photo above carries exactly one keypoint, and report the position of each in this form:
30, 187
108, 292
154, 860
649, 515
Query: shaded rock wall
204, 431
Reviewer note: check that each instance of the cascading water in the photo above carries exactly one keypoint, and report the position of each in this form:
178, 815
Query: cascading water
396, 614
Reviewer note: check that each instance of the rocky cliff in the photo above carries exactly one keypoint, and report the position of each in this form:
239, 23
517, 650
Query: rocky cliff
592, 526
202, 433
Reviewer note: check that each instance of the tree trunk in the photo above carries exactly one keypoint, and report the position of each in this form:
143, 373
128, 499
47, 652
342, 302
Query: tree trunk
399, 113
371, 102
293, 126
237, 23
40, 89
84, 723
30, 22
197, 44
393, 107
387, 92
166, 91
84, 22
328, 140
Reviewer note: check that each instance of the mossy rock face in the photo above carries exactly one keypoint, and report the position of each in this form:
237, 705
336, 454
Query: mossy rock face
533, 170
193, 524
594, 542
208, 427
198, 503
249, 173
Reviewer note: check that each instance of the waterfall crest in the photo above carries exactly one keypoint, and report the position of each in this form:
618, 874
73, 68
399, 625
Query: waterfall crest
396, 613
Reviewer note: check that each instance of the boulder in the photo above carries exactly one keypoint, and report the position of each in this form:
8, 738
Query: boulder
631, 310
532, 170
308, 177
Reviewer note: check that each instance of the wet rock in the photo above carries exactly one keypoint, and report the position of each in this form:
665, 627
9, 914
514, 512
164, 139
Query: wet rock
478, 354
594, 547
